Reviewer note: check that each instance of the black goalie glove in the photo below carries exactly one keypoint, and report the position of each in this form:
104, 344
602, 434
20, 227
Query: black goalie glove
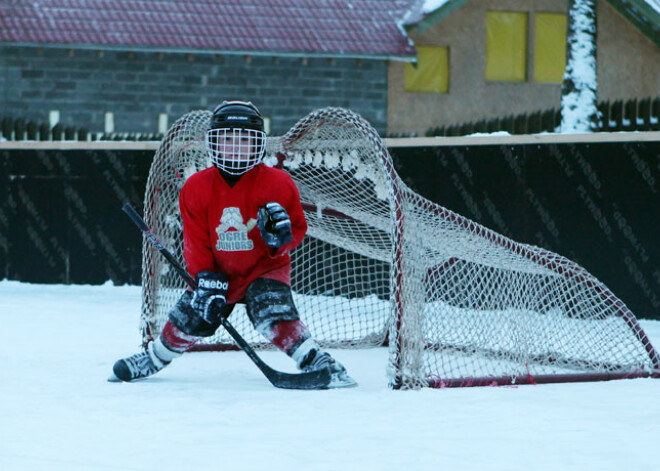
210, 295
274, 224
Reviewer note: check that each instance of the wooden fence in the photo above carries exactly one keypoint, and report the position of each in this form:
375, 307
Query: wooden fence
619, 115
632, 115
20, 129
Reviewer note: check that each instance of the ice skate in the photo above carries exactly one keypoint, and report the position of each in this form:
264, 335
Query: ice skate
138, 366
318, 359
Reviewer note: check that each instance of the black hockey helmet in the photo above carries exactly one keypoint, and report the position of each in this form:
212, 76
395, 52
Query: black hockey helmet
237, 114
235, 139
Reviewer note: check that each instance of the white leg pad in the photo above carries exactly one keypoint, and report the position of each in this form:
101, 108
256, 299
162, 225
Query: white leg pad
160, 354
302, 351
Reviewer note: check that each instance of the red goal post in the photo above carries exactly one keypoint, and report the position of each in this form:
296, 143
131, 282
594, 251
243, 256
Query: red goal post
457, 304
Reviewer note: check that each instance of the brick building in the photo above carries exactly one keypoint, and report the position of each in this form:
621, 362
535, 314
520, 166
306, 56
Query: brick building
135, 66
126, 65
492, 58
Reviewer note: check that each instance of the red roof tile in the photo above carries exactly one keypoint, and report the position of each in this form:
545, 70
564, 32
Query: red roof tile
306, 27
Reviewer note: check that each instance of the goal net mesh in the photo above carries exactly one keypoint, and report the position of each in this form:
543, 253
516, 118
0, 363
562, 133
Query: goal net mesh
457, 303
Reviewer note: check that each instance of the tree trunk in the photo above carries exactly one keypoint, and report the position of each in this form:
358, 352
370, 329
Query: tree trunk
579, 92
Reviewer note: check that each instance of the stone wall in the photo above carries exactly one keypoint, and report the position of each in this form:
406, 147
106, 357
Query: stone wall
137, 86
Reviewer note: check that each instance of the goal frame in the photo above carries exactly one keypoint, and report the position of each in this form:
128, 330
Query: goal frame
399, 311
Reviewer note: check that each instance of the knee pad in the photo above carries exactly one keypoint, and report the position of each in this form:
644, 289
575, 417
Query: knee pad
269, 302
186, 319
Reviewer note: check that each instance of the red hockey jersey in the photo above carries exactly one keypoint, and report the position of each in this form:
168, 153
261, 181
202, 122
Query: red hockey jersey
220, 230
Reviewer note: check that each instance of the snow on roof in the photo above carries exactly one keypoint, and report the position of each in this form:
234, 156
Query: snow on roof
429, 6
357, 28
655, 4
644, 14
432, 5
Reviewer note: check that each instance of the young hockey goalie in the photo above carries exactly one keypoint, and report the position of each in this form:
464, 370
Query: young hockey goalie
240, 221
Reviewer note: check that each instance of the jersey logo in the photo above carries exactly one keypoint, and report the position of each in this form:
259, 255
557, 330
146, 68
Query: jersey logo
233, 233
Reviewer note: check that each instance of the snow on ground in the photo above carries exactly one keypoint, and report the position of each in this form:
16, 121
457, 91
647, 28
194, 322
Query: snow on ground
216, 411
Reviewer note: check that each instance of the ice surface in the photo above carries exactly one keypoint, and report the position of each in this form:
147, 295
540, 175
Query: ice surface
216, 410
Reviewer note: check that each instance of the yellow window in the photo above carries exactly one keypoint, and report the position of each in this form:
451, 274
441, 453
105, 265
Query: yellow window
549, 47
432, 72
506, 46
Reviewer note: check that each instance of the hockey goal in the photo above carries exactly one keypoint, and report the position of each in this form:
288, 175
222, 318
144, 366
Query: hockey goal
458, 304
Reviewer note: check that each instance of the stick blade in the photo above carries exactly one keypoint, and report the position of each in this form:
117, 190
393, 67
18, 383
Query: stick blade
320, 379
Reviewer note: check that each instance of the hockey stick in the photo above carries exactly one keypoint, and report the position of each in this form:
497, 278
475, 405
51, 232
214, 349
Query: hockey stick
311, 380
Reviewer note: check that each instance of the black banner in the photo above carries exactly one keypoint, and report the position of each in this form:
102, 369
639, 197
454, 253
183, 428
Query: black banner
61, 218
594, 203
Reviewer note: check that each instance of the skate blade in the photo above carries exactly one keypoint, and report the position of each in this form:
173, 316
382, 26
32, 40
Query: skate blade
341, 382
113, 379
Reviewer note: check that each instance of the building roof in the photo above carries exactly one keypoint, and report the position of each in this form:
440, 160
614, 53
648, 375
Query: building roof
644, 14
348, 28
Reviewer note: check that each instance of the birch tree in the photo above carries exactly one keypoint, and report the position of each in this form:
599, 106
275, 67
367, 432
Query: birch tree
579, 92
